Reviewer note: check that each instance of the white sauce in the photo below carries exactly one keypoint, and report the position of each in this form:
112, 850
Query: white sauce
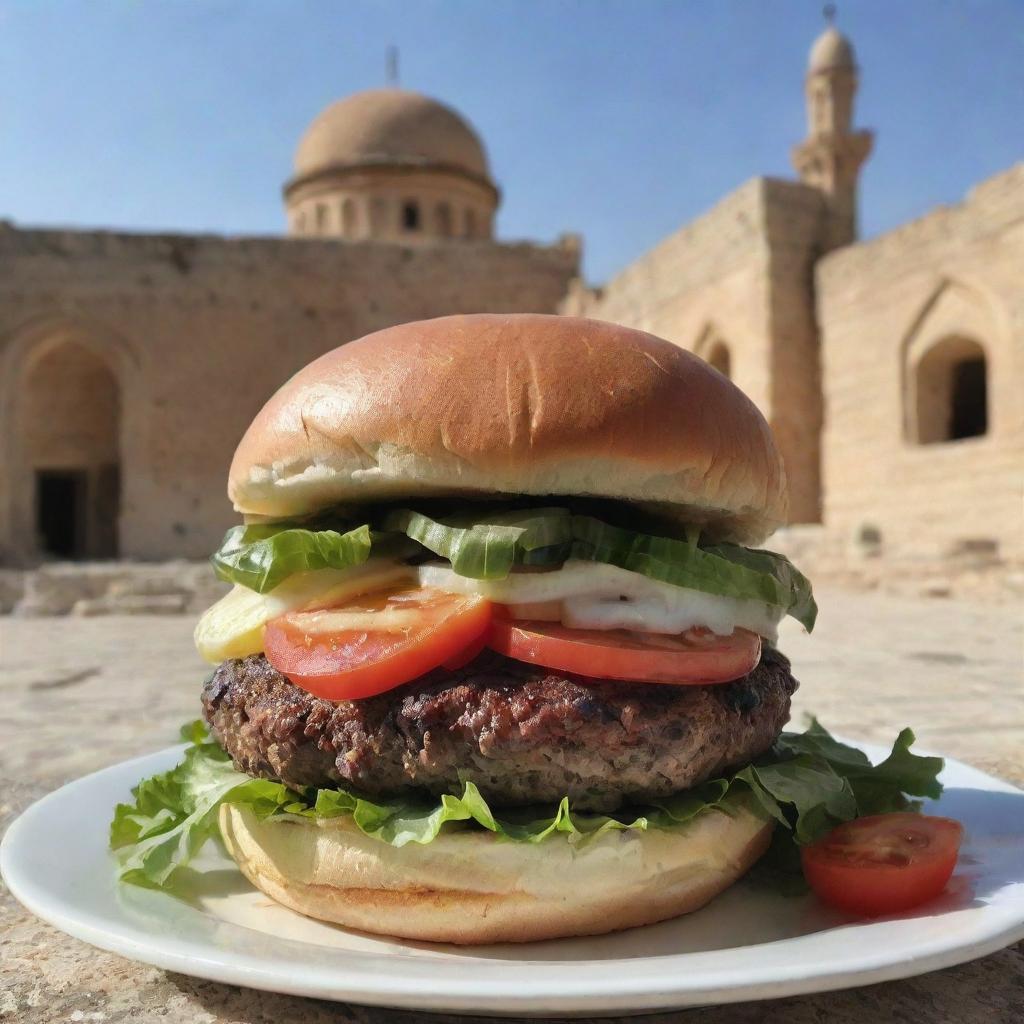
599, 596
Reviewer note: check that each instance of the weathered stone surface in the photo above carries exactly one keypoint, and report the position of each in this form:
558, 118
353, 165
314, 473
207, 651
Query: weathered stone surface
113, 688
143, 358
863, 562
836, 368
884, 305
736, 280
115, 588
12, 588
131, 604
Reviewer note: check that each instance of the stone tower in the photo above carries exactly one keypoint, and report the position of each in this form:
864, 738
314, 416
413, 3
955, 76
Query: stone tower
831, 156
391, 165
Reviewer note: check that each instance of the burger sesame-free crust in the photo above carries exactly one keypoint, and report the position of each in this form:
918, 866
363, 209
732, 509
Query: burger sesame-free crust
521, 404
521, 733
468, 887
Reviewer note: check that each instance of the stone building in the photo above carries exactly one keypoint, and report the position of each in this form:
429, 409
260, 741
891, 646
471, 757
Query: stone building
131, 364
923, 381
891, 369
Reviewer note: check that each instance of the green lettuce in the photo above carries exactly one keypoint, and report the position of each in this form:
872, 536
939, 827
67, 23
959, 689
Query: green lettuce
175, 813
808, 783
727, 570
487, 543
261, 556
489, 549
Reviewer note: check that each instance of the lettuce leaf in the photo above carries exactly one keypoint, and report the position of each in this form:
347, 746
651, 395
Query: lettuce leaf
175, 813
260, 556
872, 785
808, 782
727, 570
488, 549
486, 543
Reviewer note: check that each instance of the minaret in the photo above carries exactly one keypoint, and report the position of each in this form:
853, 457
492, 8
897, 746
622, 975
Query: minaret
831, 156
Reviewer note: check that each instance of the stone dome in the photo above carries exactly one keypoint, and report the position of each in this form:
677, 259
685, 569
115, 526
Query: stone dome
396, 127
832, 51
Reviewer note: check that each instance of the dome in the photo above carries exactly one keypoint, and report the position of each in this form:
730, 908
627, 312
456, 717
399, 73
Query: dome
832, 51
390, 126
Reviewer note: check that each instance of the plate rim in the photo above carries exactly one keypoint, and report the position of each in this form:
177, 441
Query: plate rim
608, 992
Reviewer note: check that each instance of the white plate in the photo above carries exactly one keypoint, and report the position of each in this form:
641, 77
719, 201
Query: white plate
750, 943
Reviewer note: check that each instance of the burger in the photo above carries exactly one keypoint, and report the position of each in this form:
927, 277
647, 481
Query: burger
499, 662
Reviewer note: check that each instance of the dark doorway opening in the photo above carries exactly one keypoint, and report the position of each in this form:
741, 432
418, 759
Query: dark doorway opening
969, 402
411, 216
106, 502
61, 511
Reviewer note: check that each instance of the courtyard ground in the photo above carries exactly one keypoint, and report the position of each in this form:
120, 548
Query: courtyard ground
80, 693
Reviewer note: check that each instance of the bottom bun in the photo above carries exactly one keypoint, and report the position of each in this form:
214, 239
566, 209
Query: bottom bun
469, 887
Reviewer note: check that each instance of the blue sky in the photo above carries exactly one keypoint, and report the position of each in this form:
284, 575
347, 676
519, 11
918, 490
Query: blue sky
621, 119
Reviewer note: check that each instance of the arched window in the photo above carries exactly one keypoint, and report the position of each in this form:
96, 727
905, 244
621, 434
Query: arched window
951, 392
348, 218
321, 218
410, 215
469, 224
300, 223
718, 357
444, 220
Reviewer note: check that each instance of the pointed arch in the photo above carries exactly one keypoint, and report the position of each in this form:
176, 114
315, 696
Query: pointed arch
62, 387
946, 364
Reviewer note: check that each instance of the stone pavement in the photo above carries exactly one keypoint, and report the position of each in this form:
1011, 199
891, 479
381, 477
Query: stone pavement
80, 694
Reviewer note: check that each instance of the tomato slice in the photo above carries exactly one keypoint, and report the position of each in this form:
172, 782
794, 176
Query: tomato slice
696, 657
467, 654
884, 863
376, 642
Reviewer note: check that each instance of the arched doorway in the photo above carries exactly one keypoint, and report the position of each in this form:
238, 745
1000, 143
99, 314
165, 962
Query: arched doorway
69, 433
951, 392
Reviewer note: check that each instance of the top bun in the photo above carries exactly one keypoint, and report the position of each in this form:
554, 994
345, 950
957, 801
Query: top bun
484, 405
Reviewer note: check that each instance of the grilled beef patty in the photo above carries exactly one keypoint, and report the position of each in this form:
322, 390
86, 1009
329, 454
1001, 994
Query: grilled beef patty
524, 734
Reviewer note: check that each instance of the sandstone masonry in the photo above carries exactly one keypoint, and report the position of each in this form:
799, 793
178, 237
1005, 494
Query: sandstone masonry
143, 358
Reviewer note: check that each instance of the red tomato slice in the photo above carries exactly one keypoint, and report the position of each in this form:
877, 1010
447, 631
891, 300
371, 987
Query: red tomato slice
467, 654
883, 864
376, 642
696, 657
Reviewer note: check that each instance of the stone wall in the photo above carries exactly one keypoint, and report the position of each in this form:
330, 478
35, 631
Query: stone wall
796, 220
953, 276
198, 332
740, 275
110, 588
